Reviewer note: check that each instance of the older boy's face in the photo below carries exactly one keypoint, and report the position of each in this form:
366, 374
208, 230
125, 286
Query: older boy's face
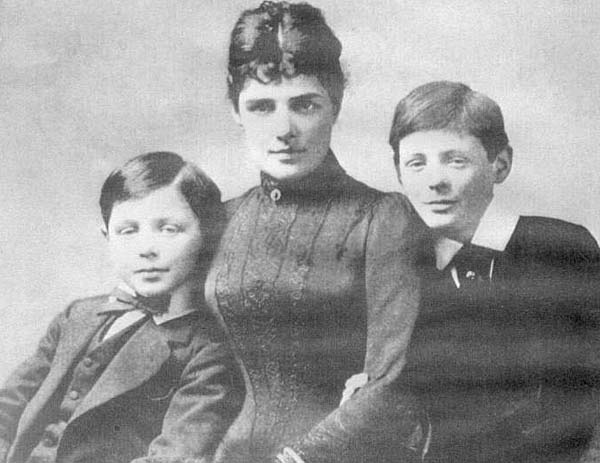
155, 241
449, 180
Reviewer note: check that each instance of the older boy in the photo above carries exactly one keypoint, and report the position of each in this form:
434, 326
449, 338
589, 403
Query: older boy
504, 351
143, 373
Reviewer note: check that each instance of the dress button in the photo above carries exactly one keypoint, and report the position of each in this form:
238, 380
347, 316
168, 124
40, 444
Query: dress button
49, 441
275, 194
88, 362
470, 275
74, 395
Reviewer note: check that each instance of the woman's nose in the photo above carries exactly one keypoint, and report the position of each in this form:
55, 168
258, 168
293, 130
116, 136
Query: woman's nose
285, 128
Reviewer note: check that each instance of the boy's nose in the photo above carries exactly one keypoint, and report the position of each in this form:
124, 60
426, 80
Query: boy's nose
147, 247
149, 253
437, 179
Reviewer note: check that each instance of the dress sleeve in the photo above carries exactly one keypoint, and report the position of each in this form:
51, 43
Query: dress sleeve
208, 399
380, 422
25, 381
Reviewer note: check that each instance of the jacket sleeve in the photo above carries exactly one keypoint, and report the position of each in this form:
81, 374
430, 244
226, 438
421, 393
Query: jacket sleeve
380, 422
25, 380
587, 264
208, 399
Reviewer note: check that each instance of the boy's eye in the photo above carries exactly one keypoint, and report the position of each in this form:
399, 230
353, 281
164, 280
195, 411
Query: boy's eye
415, 164
126, 230
261, 106
170, 228
458, 161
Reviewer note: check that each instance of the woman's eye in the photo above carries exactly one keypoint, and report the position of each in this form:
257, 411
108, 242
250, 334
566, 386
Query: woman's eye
305, 106
261, 107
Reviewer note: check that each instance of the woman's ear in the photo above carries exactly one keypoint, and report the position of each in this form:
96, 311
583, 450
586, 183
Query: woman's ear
104, 231
502, 164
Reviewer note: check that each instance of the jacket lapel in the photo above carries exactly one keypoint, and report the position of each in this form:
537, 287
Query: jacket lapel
137, 361
76, 333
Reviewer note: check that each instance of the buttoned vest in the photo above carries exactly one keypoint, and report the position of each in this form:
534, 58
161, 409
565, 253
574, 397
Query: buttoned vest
80, 380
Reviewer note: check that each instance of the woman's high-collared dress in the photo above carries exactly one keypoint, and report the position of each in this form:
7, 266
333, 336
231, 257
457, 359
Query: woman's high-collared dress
315, 281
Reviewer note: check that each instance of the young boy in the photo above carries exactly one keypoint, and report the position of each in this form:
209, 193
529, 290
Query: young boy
503, 355
143, 373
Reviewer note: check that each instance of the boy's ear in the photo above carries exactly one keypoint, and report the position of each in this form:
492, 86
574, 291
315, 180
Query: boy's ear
236, 116
398, 176
502, 164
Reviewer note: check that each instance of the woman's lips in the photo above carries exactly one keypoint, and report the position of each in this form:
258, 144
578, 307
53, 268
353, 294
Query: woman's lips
441, 205
287, 151
148, 272
287, 155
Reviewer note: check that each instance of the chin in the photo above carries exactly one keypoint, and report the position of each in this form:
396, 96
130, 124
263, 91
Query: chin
147, 290
153, 293
438, 223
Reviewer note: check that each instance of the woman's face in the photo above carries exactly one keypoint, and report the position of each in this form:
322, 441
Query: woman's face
287, 125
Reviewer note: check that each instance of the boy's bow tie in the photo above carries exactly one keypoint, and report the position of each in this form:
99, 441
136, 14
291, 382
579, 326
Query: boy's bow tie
154, 305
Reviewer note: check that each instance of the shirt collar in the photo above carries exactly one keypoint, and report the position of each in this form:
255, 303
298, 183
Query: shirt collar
167, 316
493, 232
160, 319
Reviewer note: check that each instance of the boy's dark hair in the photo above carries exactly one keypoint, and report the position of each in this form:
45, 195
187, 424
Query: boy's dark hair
148, 172
281, 39
450, 106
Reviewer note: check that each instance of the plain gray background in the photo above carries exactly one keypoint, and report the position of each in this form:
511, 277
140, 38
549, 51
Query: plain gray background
85, 85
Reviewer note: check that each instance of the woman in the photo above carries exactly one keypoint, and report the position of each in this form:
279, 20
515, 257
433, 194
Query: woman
315, 274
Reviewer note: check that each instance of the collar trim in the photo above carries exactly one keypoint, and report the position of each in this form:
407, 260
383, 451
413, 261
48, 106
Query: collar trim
495, 228
325, 177
494, 231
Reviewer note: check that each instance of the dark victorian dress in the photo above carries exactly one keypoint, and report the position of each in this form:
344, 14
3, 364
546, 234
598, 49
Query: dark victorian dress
315, 281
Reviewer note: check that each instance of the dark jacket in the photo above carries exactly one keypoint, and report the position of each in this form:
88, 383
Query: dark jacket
170, 392
507, 369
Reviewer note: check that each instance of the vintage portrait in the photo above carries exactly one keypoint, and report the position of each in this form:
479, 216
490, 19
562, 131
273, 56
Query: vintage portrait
300, 231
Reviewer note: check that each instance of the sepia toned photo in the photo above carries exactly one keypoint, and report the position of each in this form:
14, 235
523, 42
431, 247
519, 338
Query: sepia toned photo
300, 232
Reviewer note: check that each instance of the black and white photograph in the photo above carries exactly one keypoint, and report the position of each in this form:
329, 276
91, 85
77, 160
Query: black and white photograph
300, 232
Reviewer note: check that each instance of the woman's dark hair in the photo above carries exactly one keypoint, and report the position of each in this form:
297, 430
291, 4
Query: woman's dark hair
450, 106
148, 172
281, 39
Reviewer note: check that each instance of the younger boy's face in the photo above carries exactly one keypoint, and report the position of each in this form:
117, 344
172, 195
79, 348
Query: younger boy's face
154, 242
449, 180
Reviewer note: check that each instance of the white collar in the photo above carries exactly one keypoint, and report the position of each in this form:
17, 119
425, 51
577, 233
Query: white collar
168, 316
493, 232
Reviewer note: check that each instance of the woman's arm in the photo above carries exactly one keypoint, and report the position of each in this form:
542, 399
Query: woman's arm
381, 422
208, 399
